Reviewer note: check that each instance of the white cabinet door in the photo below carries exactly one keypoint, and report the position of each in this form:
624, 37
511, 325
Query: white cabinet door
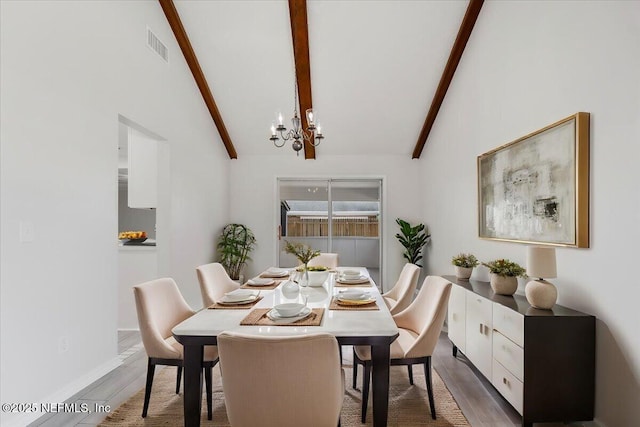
479, 333
456, 317
143, 171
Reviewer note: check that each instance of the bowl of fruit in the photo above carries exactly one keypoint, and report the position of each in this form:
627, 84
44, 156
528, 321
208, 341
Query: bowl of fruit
132, 236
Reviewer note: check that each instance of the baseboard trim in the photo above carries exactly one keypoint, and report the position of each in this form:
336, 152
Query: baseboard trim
65, 393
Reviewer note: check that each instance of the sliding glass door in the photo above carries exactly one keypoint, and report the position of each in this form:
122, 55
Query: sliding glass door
333, 215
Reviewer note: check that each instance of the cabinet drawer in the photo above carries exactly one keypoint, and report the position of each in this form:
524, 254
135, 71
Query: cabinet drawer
508, 385
509, 354
509, 323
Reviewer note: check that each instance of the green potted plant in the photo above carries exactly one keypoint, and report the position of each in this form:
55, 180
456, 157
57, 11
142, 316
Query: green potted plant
304, 253
504, 274
413, 239
234, 246
464, 265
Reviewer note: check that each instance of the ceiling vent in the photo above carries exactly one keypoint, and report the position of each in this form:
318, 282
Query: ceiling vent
157, 46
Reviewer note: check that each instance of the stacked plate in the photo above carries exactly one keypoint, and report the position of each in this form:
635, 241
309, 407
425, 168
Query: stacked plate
352, 279
288, 313
275, 272
354, 297
258, 281
239, 296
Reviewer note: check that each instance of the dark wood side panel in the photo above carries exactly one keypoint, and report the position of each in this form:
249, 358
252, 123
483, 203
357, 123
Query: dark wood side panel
559, 368
300, 35
469, 20
192, 61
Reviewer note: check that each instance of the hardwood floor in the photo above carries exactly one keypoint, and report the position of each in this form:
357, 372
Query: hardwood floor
479, 401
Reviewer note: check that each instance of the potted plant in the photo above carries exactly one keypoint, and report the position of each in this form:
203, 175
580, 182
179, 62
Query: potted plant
413, 239
304, 253
464, 264
504, 274
234, 246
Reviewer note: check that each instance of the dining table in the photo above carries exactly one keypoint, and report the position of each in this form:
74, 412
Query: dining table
371, 327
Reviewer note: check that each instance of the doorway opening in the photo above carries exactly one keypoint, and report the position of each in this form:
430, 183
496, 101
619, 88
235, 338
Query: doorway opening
342, 216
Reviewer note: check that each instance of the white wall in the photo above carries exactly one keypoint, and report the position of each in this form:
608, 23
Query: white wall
64, 82
527, 65
253, 199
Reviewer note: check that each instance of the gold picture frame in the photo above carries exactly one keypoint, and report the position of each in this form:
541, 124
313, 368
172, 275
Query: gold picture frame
535, 189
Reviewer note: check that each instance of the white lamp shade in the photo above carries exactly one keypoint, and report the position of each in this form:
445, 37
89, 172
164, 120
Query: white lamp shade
541, 262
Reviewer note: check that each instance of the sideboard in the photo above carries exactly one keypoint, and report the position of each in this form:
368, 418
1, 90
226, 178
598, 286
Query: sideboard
541, 361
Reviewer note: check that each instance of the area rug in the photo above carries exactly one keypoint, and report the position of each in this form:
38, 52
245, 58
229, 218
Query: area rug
408, 405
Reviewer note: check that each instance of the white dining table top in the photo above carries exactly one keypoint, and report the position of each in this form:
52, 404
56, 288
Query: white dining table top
344, 323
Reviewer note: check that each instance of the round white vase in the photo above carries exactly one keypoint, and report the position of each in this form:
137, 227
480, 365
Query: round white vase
504, 285
541, 294
463, 273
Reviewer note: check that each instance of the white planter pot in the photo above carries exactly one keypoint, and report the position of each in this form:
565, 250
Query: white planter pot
504, 285
463, 273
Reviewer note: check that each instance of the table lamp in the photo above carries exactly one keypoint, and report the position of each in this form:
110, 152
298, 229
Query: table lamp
541, 263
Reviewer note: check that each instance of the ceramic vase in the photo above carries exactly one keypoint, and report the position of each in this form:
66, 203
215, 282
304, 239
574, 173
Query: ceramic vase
463, 273
504, 285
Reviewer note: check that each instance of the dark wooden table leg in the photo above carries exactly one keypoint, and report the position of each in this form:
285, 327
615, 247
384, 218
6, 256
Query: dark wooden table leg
380, 383
193, 355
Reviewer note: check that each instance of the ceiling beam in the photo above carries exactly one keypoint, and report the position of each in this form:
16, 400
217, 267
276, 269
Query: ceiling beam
469, 20
192, 61
300, 36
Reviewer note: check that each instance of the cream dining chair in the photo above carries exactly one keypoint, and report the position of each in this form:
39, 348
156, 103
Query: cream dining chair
325, 259
271, 381
214, 282
419, 326
400, 296
160, 307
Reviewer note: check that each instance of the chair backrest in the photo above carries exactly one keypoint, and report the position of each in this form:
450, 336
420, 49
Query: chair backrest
402, 292
281, 381
160, 307
214, 282
326, 259
425, 316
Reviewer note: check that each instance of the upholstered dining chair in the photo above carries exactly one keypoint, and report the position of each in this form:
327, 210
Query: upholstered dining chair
419, 326
214, 282
325, 259
160, 307
399, 297
281, 381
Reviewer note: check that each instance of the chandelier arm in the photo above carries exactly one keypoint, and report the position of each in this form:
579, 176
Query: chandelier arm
276, 143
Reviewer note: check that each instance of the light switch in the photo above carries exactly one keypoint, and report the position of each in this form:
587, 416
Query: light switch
27, 232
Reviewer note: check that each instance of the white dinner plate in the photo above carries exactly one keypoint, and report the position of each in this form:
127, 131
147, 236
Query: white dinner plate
361, 279
273, 315
240, 296
257, 281
353, 295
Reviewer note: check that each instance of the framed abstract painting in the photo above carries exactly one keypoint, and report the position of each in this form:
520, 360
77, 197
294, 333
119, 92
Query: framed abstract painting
536, 189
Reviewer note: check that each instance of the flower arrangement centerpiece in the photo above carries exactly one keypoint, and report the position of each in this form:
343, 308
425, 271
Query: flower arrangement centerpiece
464, 264
504, 274
303, 252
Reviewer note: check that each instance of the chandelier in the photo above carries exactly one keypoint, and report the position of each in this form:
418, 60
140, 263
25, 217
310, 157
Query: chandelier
312, 135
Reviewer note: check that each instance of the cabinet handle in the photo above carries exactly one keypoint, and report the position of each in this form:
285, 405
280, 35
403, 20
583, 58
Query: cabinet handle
481, 330
505, 381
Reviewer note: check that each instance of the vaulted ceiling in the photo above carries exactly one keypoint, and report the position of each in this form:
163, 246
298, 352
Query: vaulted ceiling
377, 69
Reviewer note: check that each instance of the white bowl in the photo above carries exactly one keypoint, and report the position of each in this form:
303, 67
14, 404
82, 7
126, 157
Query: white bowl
351, 274
288, 309
239, 295
317, 278
353, 294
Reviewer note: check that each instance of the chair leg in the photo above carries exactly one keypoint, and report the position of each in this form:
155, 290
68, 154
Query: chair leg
178, 379
365, 390
427, 376
147, 391
355, 369
410, 369
340, 350
209, 386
